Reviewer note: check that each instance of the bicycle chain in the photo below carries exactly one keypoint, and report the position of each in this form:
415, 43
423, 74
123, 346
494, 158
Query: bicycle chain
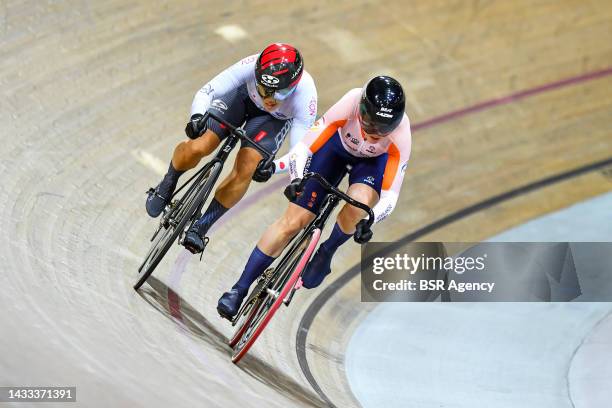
262, 283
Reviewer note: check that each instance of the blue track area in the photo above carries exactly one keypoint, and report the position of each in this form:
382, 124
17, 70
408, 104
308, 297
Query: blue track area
494, 355
587, 221
502, 355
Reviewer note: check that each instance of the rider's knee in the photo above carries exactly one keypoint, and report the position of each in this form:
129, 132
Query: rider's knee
195, 150
350, 215
203, 145
246, 168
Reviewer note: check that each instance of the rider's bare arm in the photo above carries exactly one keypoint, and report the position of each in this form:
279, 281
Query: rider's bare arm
229, 79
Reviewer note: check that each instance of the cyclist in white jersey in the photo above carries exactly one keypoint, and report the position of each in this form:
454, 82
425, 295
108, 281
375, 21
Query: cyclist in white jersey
272, 95
367, 130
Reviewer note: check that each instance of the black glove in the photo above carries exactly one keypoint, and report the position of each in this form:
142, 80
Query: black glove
196, 126
263, 174
363, 233
293, 190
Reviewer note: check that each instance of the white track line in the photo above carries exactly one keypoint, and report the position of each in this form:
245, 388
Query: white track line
231, 32
150, 161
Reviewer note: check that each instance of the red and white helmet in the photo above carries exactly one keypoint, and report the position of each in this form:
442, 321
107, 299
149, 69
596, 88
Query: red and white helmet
278, 70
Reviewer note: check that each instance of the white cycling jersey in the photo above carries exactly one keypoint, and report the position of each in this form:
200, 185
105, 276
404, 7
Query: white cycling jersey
300, 106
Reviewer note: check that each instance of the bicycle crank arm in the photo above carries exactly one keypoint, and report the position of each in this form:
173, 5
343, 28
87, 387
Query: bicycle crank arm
289, 297
262, 281
272, 293
156, 232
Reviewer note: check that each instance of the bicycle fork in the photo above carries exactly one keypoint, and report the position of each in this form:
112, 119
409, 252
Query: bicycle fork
328, 206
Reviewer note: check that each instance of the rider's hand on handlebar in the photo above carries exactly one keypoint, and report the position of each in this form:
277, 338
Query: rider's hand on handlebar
363, 233
263, 174
293, 190
195, 126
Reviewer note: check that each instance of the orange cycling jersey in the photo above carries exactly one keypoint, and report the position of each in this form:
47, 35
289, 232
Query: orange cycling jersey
343, 118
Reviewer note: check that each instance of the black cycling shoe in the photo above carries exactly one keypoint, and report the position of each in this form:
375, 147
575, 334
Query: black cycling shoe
317, 269
194, 242
157, 200
229, 303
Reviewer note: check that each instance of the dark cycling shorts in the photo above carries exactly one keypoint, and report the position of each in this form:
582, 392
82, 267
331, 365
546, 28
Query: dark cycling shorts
237, 108
331, 162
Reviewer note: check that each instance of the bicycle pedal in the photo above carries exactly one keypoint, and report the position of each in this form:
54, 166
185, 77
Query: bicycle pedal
298, 285
205, 240
165, 222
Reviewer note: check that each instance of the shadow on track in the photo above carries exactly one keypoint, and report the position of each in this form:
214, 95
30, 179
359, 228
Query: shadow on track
174, 307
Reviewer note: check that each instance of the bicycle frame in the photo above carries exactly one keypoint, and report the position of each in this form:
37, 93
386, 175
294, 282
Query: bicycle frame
319, 222
327, 207
229, 143
330, 202
180, 214
279, 286
236, 134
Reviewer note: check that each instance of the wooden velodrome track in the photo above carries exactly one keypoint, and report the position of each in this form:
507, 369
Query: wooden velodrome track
512, 118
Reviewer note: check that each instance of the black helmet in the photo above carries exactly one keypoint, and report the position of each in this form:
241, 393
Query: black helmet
382, 105
278, 69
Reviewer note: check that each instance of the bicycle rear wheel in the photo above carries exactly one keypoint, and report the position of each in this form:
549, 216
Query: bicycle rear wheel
279, 288
174, 223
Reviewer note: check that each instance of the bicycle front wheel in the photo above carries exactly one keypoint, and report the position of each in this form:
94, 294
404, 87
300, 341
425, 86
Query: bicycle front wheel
181, 214
279, 288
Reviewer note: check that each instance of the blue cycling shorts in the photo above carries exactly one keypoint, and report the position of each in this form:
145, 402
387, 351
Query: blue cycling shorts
331, 162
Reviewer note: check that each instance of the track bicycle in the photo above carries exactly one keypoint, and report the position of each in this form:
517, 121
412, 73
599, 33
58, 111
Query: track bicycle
277, 285
180, 214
